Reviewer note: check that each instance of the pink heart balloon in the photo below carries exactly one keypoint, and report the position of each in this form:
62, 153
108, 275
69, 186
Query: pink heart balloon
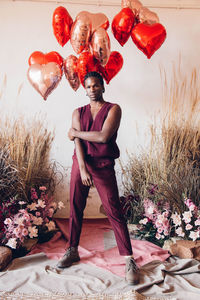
71, 73
98, 20
44, 78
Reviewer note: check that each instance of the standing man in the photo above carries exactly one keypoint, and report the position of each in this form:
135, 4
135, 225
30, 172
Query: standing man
94, 132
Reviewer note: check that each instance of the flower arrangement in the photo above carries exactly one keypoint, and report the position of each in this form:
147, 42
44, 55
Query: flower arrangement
32, 220
159, 223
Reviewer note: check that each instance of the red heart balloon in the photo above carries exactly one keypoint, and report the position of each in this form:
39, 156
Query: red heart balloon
62, 22
113, 66
86, 63
40, 58
148, 38
122, 25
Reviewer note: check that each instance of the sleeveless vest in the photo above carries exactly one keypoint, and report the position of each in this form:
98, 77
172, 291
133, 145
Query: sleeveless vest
97, 150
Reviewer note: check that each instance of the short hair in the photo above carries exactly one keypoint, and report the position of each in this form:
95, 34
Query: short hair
94, 74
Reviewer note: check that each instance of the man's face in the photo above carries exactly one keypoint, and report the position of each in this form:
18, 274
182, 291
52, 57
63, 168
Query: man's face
94, 88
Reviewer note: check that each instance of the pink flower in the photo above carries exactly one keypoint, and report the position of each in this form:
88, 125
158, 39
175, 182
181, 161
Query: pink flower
158, 236
51, 212
188, 226
160, 230
37, 221
37, 213
51, 225
42, 188
33, 231
25, 232
32, 206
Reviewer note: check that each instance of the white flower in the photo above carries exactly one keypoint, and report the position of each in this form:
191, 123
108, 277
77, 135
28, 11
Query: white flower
197, 222
176, 219
7, 221
51, 225
179, 232
194, 235
187, 216
160, 218
150, 209
32, 206
143, 221
33, 231
41, 203
37, 221
12, 243
22, 202
19, 221
61, 205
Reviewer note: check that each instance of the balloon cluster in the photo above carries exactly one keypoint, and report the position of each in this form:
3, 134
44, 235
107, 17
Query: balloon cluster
141, 24
90, 41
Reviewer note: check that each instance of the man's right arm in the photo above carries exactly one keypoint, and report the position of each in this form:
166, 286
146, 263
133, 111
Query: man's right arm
85, 175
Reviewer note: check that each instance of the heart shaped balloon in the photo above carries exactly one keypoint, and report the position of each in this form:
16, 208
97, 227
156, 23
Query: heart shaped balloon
98, 20
112, 67
44, 78
148, 38
40, 58
62, 23
100, 44
80, 33
86, 63
71, 73
122, 25
147, 16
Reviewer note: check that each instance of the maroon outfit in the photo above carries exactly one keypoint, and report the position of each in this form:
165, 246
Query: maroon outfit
99, 159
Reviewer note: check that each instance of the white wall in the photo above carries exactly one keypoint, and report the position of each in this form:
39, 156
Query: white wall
26, 27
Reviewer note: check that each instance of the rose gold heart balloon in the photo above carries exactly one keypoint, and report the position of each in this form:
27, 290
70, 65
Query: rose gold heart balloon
147, 16
71, 73
80, 33
44, 78
100, 44
97, 20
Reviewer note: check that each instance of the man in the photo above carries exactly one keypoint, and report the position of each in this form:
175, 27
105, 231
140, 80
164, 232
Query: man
94, 131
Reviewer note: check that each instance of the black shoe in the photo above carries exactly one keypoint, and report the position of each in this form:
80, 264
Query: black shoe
132, 272
71, 256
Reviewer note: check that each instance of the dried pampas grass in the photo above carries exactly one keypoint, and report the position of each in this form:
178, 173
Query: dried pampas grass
172, 161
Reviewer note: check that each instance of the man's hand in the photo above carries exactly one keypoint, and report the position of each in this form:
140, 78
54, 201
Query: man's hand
71, 134
86, 177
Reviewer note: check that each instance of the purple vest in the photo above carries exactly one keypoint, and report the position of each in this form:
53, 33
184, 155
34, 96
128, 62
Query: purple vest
98, 150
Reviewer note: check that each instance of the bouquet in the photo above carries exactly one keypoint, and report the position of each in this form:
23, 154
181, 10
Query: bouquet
32, 220
158, 223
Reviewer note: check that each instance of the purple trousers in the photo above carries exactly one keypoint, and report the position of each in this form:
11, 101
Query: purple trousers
103, 175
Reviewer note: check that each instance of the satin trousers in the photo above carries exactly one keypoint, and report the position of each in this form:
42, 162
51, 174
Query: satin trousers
104, 179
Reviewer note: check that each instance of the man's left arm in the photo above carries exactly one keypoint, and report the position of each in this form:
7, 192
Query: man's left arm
110, 126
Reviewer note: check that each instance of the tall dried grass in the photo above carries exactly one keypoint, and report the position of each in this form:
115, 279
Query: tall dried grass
172, 162
27, 146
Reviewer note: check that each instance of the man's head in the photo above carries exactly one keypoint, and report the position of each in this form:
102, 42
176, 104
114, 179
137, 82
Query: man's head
94, 74
94, 86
